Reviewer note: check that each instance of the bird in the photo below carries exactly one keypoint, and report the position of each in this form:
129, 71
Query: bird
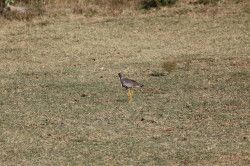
129, 84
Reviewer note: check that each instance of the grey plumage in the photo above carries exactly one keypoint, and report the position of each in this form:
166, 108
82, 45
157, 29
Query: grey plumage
128, 83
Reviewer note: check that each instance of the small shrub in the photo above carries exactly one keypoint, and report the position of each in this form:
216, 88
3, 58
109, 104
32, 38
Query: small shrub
148, 4
38, 7
2, 3
17, 16
90, 12
77, 9
8, 2
23, 10
206, 2
12, 12
167, 2
114, 4
169, 66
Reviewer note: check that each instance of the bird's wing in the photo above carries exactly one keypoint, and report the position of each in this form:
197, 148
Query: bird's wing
132, 83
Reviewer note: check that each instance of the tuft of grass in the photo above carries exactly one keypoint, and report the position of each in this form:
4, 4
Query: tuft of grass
90, 12
207, 2
16, 15
78, 9
23, 10
169, 66
157, 74
148, 4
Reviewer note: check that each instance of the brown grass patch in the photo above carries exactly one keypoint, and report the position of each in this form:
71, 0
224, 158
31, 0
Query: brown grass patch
169, 66
57, 8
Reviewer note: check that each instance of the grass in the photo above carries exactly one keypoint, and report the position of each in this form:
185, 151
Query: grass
61, 102
169, 66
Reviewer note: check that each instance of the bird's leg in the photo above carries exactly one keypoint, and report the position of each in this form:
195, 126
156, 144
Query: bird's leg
132, 92
129, 96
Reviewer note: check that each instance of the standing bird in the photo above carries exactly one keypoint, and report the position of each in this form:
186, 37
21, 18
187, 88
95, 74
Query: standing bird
129, 85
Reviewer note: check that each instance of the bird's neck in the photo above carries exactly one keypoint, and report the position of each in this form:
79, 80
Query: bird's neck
121, 79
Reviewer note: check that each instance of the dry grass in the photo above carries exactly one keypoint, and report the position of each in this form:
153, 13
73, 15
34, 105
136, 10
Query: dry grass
169, 66
61, 102
107, 8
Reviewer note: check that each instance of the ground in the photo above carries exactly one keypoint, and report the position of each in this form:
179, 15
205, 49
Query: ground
61, 102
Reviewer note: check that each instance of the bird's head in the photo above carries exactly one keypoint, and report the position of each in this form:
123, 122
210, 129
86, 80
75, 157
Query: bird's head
120, 75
